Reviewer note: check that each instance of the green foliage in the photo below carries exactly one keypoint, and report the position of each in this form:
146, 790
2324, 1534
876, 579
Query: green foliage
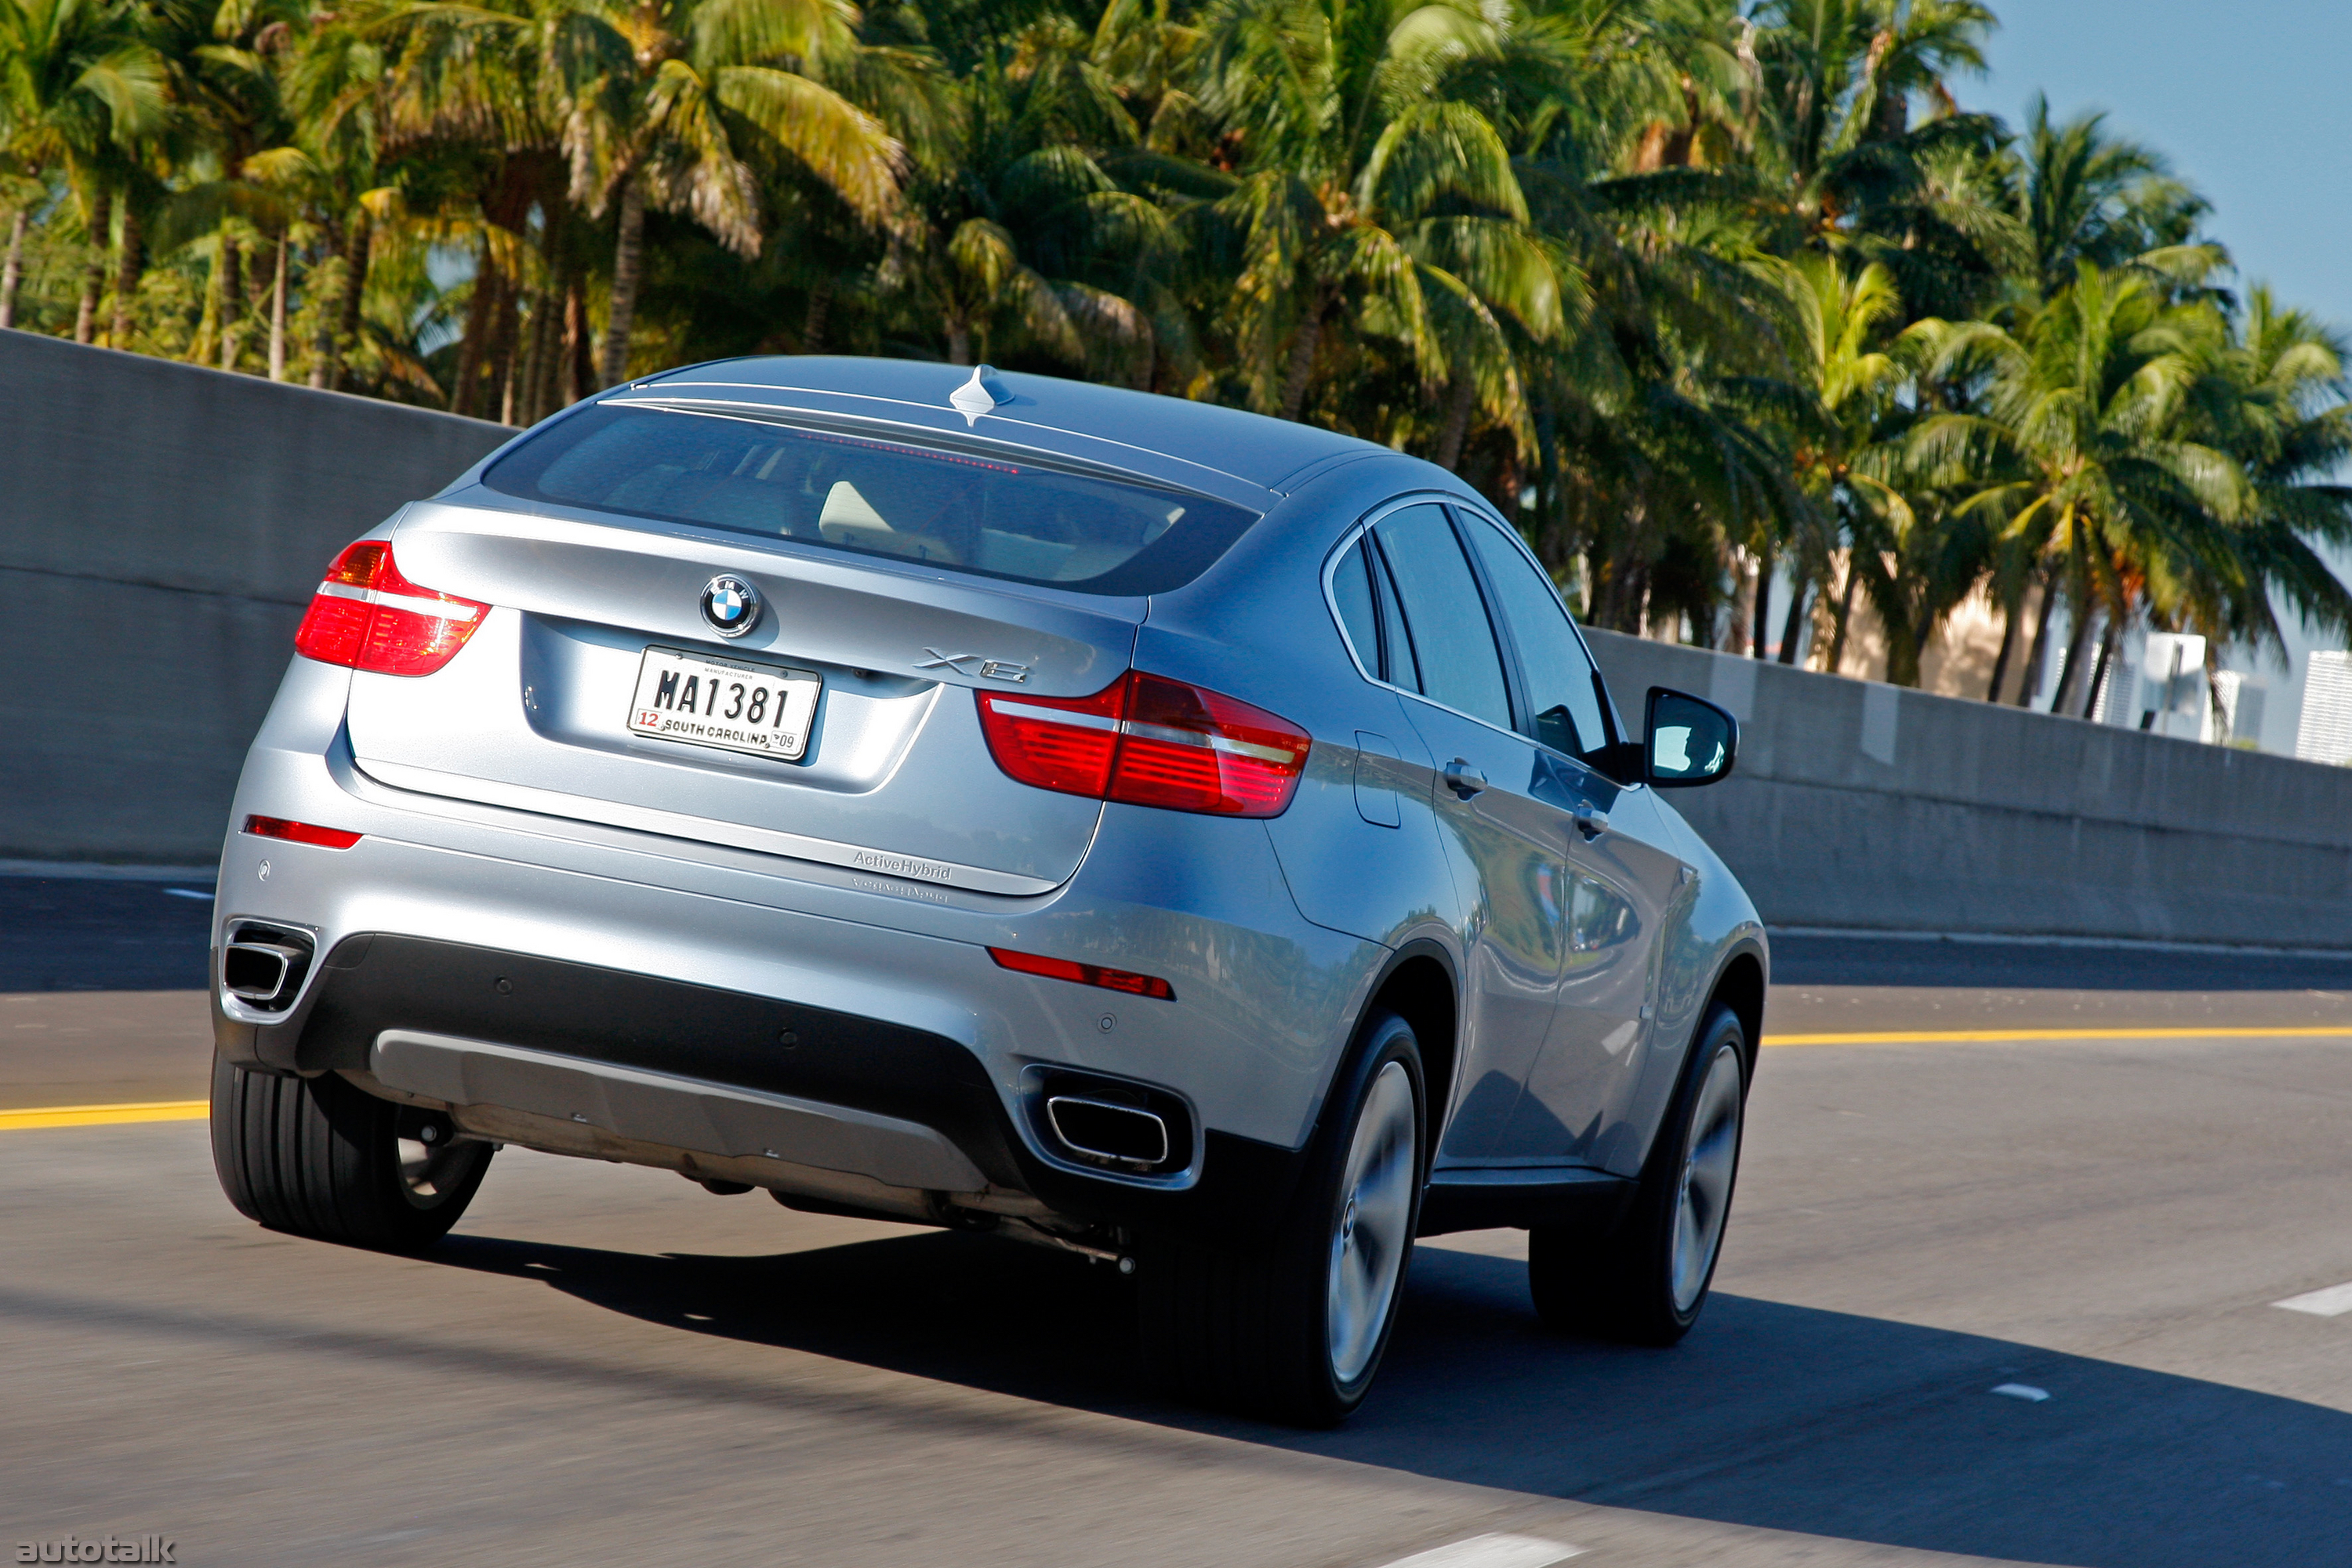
1690, 288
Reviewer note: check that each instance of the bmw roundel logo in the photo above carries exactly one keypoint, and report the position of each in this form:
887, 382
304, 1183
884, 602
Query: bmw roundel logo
732, 606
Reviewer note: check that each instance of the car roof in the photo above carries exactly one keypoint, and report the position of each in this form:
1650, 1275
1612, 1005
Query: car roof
1077, 418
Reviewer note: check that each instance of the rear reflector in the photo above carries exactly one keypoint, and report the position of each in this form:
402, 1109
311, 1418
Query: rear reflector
367, 616
1145, 740
299, 832
1084, 974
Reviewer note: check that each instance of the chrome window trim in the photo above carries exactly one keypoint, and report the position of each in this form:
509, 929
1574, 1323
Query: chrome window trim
1470, 509
1364, 525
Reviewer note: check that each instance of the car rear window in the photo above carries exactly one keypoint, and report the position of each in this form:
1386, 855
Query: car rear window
979, 513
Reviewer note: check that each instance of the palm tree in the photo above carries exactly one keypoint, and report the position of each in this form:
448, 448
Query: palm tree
2084, 448
2084, 196
1371, 179
1019, 237
669, 98
2274, 400
79, 86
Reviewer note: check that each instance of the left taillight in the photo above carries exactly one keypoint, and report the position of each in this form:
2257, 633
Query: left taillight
1145, 740
368, 615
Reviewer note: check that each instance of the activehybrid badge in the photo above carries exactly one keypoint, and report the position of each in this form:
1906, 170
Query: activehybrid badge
732, 606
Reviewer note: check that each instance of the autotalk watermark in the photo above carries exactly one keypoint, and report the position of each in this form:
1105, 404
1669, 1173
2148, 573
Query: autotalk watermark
100, 1549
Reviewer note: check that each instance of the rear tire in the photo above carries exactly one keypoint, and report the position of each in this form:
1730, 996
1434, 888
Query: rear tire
1646, 1283
1295, 1330
318, 1158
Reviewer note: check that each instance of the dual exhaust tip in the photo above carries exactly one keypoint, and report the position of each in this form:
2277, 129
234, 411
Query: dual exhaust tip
264, 966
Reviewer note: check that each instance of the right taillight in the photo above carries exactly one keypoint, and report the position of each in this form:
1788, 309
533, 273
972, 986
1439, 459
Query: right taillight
1145, 740
370, 616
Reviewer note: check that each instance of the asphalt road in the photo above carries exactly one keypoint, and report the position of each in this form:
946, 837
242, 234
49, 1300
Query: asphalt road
611, 1365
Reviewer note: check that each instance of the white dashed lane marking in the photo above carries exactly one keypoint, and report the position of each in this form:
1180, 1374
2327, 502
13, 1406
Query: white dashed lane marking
2331, 1302
1492, 1551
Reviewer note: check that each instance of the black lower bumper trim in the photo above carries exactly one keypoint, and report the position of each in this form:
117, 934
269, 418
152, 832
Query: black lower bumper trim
371, 983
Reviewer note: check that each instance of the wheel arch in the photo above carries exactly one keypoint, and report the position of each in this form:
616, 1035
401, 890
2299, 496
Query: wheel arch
1740, 985
1419, 984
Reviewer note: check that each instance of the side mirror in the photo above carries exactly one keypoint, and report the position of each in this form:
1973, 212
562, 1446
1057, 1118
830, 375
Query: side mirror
1687, 741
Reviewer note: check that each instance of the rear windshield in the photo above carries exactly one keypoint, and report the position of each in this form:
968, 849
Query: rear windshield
980, 514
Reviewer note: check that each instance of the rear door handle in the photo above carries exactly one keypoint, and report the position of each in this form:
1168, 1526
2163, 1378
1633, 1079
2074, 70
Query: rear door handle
1463, 778
1591, 822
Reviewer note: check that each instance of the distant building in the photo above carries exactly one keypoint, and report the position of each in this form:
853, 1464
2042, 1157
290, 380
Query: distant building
2239, 720
2326, 733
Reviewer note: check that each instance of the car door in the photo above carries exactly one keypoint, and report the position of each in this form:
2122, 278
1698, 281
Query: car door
1622, 874
1504, 841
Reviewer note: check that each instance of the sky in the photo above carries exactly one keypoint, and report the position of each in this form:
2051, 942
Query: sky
2248, 99
2251, 102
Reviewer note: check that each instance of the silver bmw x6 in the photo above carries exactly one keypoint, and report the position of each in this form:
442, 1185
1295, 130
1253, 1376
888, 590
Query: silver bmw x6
1134, 826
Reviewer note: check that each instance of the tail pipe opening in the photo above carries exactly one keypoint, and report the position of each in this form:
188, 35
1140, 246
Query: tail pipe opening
1112, 1125
264, 966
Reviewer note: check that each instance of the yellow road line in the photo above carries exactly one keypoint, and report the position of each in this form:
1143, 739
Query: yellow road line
198, 1110
1994, 1037
104, 1115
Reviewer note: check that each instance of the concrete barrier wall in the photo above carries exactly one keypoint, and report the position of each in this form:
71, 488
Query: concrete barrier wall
1862, 806
161, 530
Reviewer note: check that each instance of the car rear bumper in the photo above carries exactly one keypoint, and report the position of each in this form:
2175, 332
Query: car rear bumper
847, 1111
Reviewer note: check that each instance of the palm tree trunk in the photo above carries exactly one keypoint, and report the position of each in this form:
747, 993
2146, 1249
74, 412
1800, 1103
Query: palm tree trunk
1792, 629
1301, 368
534, 359
278, 313
472, 348
355, 275
579, 369
1844, 616
959, 340
2107, 643
2040, 660
13, 277
2008, 646
1458, 407
127, 271
505, 350
820, 306
628, 268
231, 301
1761, 617
2078, 636
93, 280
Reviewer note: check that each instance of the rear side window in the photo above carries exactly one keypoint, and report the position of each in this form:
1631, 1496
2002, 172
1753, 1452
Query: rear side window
1563, 694
1450, 635
1351, 586
997, 518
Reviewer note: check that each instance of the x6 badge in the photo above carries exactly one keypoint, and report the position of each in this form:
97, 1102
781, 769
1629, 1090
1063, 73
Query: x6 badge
987, 668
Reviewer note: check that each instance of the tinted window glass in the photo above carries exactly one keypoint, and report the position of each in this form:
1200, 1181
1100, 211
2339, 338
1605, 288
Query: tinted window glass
974, 513
1459, 665
1351, 586
1398, 667
1560, 691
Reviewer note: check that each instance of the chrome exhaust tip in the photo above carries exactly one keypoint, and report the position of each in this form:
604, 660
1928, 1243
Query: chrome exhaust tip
1103, 1130
263, 966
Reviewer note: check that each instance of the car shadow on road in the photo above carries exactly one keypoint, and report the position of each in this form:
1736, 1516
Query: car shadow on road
1769, 1414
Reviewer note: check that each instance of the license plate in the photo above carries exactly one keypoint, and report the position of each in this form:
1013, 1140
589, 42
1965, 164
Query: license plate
763, 709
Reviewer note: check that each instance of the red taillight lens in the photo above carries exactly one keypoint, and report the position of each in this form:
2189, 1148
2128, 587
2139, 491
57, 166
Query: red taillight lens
1056, 743
1125, 980
367, 616
1145, 740
299, 832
